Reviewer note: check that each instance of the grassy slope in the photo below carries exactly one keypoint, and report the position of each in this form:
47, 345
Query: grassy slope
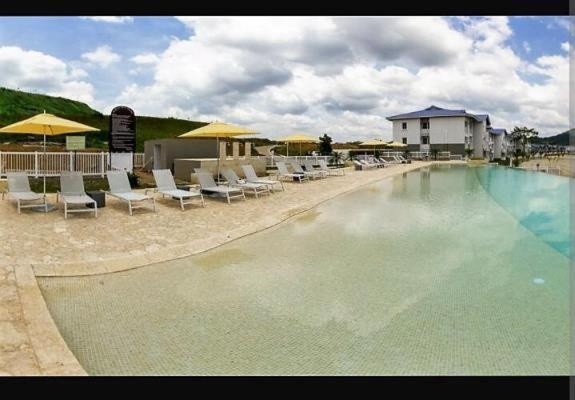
16, 105
560, 139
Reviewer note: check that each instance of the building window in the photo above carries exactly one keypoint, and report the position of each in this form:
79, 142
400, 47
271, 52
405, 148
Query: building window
404, 126
425, 140
424, 123
404, 140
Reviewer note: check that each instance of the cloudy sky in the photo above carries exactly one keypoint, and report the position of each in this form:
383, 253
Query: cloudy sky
340, 76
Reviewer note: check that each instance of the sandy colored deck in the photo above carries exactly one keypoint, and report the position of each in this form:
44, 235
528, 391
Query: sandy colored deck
41, 244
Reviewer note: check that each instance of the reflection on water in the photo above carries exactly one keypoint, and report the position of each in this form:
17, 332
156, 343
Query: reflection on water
424, 273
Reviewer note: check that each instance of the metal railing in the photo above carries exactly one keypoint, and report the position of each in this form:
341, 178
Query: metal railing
53, 163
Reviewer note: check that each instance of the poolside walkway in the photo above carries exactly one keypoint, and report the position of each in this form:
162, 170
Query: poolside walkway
48, 245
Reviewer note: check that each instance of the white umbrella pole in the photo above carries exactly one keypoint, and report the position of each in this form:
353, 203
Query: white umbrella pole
44, 162
218, 154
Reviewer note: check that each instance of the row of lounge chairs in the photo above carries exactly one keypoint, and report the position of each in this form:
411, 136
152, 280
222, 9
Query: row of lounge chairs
72, 192
371, 162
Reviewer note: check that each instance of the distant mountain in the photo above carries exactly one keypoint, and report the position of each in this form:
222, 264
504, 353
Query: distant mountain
16, 105
561, 139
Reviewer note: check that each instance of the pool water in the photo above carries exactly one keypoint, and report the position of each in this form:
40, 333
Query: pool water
448, 270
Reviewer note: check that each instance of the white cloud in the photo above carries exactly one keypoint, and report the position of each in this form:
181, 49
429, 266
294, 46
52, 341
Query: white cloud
345, 75
111, 20
526, 47
102, 56
145, 59
565, 46
34, 71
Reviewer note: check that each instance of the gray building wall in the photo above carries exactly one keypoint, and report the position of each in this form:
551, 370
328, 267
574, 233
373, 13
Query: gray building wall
170, 149
445, 134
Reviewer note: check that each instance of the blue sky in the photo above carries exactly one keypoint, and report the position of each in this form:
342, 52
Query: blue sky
340, 75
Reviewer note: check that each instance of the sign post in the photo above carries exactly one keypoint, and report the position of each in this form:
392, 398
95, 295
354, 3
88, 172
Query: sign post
75, 143
122, 136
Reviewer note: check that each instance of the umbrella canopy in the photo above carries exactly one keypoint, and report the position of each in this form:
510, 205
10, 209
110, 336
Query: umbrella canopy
372, 142
218, 129
298, 138
46, 125
396, 144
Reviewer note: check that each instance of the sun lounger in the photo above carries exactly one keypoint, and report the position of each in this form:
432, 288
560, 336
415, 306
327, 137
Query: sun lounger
284, 173
166, 185
120, 189
402, 159
376, 161
251, 176
297, 169
72, 193
367, 164
19, 190
251, 187
207, 184
310, 168
330, 171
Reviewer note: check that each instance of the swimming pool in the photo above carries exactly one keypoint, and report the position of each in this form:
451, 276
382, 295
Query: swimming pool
448, 270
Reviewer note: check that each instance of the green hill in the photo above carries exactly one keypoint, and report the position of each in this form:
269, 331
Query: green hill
561, 139
16, 105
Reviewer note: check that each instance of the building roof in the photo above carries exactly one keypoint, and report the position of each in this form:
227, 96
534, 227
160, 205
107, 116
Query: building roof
498, 131
434, 111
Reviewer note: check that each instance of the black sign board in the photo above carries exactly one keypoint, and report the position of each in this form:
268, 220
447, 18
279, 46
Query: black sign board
122, 136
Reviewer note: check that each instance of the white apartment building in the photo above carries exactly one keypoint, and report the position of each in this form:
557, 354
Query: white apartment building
449, 130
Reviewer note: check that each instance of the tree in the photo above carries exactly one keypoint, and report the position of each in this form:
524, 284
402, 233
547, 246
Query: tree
522, 136
325, 145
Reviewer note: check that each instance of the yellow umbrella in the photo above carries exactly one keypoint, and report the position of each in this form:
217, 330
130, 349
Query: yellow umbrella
298, 138
396, 144
218, 129
373, 142
46, 125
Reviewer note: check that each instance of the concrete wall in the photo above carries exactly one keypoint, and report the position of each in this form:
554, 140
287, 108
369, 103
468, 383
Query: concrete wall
411, 133
479, 131
442, 130
184, 168
497, 142
170, 149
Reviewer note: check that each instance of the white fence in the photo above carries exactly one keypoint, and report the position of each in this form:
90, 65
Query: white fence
556, 170
52, 163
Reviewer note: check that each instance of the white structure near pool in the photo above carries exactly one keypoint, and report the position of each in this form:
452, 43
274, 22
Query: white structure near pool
456, 131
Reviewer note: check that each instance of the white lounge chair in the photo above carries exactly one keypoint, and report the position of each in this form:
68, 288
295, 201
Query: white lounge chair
250, 187
367, 165
251, 176
330, 171
284, 173
297, 169
376, 161
72, 193
402, 159
166, 185
120, 189
208, 184
310, 168
19, 190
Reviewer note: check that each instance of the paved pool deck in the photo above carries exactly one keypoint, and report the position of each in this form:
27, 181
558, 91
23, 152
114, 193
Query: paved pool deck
39, 244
